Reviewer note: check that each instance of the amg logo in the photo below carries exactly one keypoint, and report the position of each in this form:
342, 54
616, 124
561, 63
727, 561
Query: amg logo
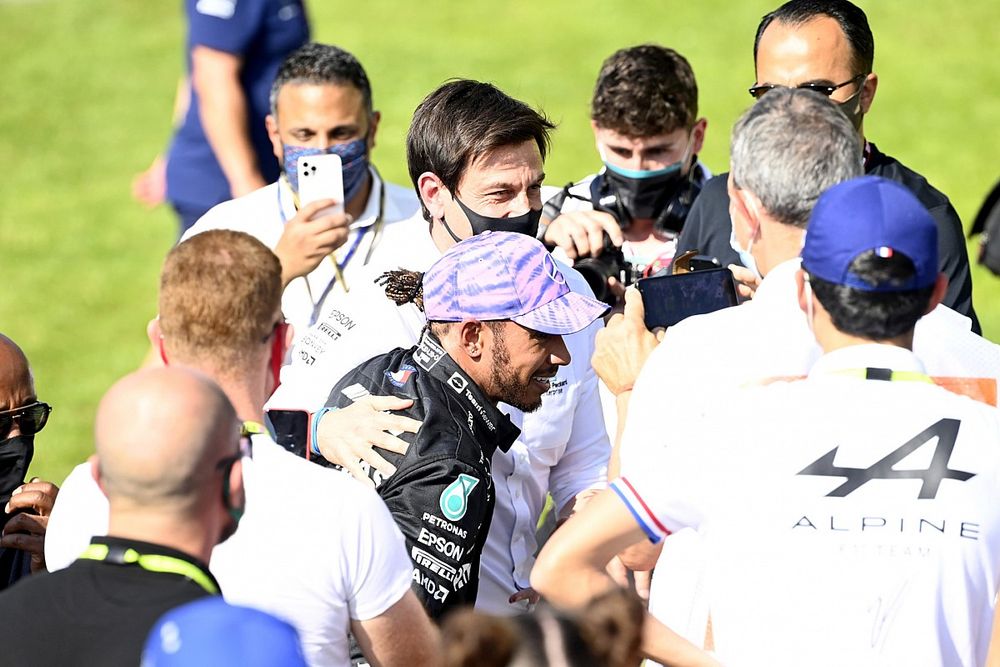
946, 433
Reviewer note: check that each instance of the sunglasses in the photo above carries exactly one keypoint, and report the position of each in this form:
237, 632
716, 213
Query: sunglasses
30, 418
758, 92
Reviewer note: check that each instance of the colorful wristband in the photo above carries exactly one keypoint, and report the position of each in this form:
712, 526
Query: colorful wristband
314, 427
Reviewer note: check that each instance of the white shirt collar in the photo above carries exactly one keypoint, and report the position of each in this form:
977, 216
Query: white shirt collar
871, 355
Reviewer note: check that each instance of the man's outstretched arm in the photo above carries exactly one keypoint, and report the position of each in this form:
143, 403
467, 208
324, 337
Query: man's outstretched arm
570, 571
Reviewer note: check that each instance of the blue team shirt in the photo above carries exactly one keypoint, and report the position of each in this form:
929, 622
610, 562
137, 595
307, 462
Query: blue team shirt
262, 33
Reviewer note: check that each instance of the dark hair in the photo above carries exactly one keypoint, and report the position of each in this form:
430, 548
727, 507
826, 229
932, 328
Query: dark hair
850, 17
321, 64
874, 315
460, 122
645, 90
607, 632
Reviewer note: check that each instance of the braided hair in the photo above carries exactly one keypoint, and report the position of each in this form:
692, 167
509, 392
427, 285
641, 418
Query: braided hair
403, 287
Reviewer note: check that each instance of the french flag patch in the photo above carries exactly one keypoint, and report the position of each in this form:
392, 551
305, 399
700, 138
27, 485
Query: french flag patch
654, 529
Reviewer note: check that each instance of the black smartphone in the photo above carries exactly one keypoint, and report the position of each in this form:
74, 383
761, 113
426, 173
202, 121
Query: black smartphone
291, 430
670, 299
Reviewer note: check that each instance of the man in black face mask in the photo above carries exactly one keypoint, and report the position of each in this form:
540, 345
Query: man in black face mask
475, 156
26, 507
644, 114
827, 46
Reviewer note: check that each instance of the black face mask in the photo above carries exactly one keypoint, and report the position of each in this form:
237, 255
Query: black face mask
15, 457
527, 223
645, 197
664, 198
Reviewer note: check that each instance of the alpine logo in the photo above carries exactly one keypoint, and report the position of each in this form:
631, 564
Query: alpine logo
400, 377
946, 432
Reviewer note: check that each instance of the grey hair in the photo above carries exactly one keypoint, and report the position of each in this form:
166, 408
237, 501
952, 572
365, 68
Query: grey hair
791, 146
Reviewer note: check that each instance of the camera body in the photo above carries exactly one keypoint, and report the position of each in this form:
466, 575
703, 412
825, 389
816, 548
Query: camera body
610, 263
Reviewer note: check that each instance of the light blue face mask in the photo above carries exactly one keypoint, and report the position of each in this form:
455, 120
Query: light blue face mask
643, 174
746, 259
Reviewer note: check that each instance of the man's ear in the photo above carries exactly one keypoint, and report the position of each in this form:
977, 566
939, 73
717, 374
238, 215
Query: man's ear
277, 147
800, 290
95, 472
155, 336
432, 193
868, 88
937, 295
472, 338
698, 135
376, 117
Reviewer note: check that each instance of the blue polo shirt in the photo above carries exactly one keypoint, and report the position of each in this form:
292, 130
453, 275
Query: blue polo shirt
262, 33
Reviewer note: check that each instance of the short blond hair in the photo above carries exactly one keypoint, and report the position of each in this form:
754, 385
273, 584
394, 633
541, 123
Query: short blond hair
219, 295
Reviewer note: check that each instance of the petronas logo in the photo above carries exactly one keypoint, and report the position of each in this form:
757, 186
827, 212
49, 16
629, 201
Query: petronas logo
455, 498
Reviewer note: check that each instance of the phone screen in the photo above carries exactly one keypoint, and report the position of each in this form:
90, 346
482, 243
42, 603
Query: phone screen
291, 429
670, 299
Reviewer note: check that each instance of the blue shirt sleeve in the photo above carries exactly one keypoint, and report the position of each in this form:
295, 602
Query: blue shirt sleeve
224, 25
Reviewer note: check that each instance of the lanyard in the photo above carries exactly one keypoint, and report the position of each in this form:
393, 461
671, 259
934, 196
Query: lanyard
152, 563
338, 268
249, 428
885, 374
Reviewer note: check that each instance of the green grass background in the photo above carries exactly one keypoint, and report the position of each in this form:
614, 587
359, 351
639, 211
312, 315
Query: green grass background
88, 87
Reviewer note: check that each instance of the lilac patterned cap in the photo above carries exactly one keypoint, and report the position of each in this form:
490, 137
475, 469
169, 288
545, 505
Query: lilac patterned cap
506, 276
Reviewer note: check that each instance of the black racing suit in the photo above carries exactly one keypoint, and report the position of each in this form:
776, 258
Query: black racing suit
441, 494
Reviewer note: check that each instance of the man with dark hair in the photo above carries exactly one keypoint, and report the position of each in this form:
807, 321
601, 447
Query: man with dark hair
476, 159
497, 309
848, 517
329, 574
170, 502
321, 103
786, 150
827, 46
644, 114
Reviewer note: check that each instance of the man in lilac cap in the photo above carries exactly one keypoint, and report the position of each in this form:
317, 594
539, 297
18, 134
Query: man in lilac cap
497, 308
847, 518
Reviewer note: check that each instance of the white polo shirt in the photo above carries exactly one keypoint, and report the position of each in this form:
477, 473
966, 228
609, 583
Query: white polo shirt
296, 554
264, 212
563, 448
763, 338
845, 521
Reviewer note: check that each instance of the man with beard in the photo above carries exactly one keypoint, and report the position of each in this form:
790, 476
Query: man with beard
497, 308
169, 459
26, 506
321, 103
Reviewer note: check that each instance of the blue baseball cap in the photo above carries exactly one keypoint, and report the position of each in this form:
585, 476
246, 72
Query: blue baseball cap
211, 632
865, 214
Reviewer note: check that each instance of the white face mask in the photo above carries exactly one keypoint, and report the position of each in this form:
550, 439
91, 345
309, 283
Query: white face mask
746, 258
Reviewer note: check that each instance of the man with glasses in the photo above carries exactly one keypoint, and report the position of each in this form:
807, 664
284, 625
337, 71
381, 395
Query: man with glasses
26, 507
168, 460
294, 555
827, 46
